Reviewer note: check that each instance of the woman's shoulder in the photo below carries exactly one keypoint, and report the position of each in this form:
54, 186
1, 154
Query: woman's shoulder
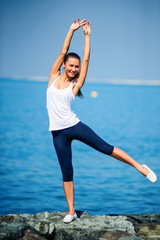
52, 78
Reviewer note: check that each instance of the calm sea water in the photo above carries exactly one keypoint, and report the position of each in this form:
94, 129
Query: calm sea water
30, 178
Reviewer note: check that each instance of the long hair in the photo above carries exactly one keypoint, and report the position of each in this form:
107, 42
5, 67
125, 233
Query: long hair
74, 55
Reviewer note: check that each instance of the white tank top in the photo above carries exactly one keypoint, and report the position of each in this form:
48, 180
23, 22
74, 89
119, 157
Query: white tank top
59, 107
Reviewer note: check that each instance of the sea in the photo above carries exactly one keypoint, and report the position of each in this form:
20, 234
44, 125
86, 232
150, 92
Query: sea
126, 116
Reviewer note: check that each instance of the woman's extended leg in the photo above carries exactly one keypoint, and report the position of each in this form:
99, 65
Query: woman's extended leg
124, 157
88, 136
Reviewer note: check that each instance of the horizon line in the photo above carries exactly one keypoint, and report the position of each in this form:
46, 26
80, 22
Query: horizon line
114, 81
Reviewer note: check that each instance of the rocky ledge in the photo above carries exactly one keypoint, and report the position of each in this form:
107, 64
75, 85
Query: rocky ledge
50, 226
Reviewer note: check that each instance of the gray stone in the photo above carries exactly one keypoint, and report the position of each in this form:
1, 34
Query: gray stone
146, 218
86, 226
18, 231
91, 227
38, 221
113, 235
130, 238
31, 235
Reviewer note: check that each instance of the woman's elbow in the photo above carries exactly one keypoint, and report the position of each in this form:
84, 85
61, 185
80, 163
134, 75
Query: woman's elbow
86, 60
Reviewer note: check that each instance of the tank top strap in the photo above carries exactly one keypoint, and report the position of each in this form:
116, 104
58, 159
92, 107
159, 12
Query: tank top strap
71, 85
56, 79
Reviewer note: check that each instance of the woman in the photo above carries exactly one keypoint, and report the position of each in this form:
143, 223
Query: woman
64, 124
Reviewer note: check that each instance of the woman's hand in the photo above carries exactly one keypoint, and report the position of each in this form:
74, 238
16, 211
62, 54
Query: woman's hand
87, 28
77, 24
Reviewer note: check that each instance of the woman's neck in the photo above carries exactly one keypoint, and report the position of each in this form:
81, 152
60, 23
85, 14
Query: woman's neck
65, 78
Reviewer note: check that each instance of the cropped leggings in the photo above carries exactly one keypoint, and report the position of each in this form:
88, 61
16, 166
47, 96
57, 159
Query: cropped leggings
62, 140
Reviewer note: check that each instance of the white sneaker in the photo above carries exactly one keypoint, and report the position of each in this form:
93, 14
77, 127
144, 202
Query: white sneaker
151, 175
69, 218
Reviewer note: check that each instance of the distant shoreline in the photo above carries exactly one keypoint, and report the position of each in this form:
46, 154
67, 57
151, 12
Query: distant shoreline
137, 82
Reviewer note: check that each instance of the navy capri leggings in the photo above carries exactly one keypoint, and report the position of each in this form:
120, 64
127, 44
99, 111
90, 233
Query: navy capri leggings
62, 140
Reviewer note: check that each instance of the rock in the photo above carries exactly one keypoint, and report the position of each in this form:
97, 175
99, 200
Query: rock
130, 238
18, 230
148, 230
38, 222
89, 227
146, 218
86, 227
31, 235
113, 235
118, 235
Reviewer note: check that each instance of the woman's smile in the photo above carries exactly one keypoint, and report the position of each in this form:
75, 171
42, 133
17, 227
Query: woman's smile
72, 66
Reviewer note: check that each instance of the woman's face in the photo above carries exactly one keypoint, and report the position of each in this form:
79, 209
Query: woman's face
72, 66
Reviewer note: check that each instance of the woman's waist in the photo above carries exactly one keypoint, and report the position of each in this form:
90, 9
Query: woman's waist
61, 124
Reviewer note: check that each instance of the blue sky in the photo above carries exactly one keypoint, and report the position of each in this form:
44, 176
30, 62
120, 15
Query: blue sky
125, 39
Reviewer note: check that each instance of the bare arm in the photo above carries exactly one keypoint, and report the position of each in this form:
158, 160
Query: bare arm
55, 71
84, 65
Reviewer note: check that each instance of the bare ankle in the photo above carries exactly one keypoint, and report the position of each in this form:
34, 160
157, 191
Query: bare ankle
71, 211
144, 171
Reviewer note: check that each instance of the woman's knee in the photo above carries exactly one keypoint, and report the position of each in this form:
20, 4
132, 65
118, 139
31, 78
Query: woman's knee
110, 150
67, 174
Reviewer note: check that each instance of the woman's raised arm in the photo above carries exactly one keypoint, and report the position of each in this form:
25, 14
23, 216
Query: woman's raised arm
85, 61
55, 71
